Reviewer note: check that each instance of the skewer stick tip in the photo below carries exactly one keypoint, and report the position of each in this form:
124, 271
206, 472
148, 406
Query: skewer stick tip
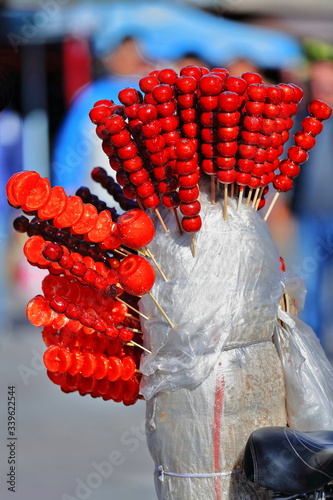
158, 267
159, 216
193, 246
272, 205
131, 343
225, 202
240, 197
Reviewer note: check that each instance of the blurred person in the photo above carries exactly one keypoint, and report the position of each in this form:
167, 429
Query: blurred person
312, 205
131, 39
77, 148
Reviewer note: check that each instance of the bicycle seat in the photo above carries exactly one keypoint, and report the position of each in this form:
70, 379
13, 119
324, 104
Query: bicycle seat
287, 461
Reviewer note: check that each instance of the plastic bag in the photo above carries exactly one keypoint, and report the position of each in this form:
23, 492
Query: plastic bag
233, 282
308, 375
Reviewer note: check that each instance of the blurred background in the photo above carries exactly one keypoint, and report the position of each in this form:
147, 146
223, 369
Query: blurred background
57, 57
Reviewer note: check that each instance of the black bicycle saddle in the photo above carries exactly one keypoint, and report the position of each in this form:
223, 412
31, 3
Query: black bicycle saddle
287, 461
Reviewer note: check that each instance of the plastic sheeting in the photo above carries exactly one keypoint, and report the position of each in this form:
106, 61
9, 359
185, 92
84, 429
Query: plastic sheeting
205, 430
225, 297
308, 375
216, 376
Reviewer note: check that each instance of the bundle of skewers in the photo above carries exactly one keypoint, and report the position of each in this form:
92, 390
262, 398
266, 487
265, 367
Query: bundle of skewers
162, 143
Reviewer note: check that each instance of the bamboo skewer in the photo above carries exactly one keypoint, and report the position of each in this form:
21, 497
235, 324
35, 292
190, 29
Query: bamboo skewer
156, 264
240, 197
140, 205
274, 200
193, 247
179, 226
157, 212
249, 196
259, 197
256, 194
138, 345
212, 190
161, 310
131, 307
225, 202
119, 252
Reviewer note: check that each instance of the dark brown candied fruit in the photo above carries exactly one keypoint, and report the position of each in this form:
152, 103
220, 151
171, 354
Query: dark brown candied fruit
53, 252
21, 224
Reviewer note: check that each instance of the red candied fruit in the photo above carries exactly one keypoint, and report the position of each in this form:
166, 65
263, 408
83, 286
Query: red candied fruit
129, 96
171, 200
190, 209
250, 77
210, 84
235, 84
312, 125
114, 124
304, 140
168, 76
283, 183
129, 367
297, 154
54, 205
319, 109
136, 275
39, 312
125, 334
186, 84
52, 252
289, 168
21, 186
148, 83
188, 195
99, 114
151, 201
227, 176
145, 189
191, 224
228, 101
162, 93
38, 196
147, 113
192, 70
58, 304
135, 228
185, 149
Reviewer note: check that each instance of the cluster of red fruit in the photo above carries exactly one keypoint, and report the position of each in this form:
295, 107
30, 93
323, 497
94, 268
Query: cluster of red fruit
231, 128
304, 141
92, 336
91, 364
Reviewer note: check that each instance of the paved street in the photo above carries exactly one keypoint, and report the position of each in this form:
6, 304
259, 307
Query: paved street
68, 447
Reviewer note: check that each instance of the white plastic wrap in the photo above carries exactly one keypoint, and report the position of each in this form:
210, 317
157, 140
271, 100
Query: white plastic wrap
204, 430
308, 375
215, 377
233, 282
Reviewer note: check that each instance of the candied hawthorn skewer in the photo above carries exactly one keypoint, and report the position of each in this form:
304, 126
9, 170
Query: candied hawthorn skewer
304, 140
229, 104
210, 87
